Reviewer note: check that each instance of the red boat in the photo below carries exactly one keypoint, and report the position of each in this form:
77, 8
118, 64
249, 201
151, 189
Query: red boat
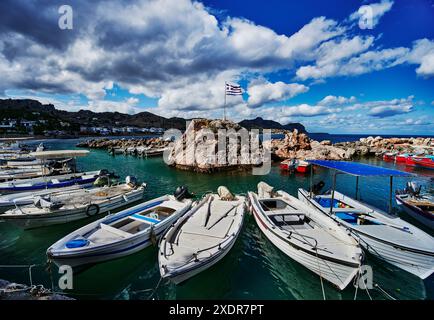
389, 156
402, 158
302, 166
424, 162
288, 165
410, 162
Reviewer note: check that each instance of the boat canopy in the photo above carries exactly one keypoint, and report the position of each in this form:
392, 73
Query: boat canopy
59, 154
359, 169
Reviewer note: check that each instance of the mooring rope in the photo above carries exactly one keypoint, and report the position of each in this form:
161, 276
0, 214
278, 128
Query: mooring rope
320, 275
155, 289
384, 292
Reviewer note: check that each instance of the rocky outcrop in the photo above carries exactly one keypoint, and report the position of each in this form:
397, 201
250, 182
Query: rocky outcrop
298, 145
123, 143
14, 291
215, 145
378, 145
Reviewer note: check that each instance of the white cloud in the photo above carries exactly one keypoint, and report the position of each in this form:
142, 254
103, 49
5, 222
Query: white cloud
179, 53
306, 110
372, 12
390, 110
262, 92
364, 63
336, 100
423, 54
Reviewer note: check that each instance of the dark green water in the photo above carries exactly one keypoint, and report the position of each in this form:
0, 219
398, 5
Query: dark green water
254, 269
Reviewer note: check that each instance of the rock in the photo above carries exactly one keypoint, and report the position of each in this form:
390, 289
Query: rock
14, 291
326, 143
198, 148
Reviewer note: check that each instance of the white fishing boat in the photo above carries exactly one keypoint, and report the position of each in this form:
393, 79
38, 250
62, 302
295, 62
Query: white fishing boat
51, 182
306, 236
418, 205
12, 200
121, 234
27, 173
386, 236
74, 205
202, 237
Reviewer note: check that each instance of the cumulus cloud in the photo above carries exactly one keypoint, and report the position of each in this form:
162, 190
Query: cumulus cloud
179, 53
306, 110
336, 100
262, 92
385, 108
373, 12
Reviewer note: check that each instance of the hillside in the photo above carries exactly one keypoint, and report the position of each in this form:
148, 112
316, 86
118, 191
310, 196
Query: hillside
260, 123
34, 110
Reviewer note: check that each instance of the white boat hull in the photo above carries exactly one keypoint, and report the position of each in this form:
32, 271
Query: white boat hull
111, 250
328, 270
417, 262
416, 215
187, 275
28, 221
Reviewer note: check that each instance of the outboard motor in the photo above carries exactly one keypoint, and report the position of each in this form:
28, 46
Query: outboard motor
182, 193
104, 172
131, 181
102, 181
413, 188
316, 188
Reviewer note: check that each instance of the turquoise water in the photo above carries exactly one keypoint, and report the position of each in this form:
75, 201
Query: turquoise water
254, 269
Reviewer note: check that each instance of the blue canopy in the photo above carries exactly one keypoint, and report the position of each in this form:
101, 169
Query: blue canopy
359, 169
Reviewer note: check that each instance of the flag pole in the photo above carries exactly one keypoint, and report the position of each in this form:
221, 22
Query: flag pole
224, 106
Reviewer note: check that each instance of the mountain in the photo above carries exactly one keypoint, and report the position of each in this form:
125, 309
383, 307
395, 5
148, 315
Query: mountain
55, 119
34, 110
260, 123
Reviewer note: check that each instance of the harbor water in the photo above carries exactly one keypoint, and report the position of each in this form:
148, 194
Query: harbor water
254, 269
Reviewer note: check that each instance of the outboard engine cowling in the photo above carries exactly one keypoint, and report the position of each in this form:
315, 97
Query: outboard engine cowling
413, 188
182, 193
316, 188
132, 181
103, 172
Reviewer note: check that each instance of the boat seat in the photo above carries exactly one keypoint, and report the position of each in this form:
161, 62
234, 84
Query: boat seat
55, 181
116, 231
283, 212
347, 217
146, 219
289, 219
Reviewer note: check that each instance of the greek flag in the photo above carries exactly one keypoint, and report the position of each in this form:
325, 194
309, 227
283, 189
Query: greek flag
233, 90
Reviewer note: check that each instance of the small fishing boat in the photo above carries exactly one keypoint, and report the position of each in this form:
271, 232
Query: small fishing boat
120, 234
384, 235
12, 200
306, 236
288, 165
51, 182
302, 166
418, 205
25, 173
74, 205
426, 162
402, 157
389, 156
202, 237
154, 152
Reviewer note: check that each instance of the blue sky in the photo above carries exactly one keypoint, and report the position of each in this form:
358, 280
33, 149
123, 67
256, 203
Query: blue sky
335, 66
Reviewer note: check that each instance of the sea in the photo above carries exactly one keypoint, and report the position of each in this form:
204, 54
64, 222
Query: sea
253, 269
